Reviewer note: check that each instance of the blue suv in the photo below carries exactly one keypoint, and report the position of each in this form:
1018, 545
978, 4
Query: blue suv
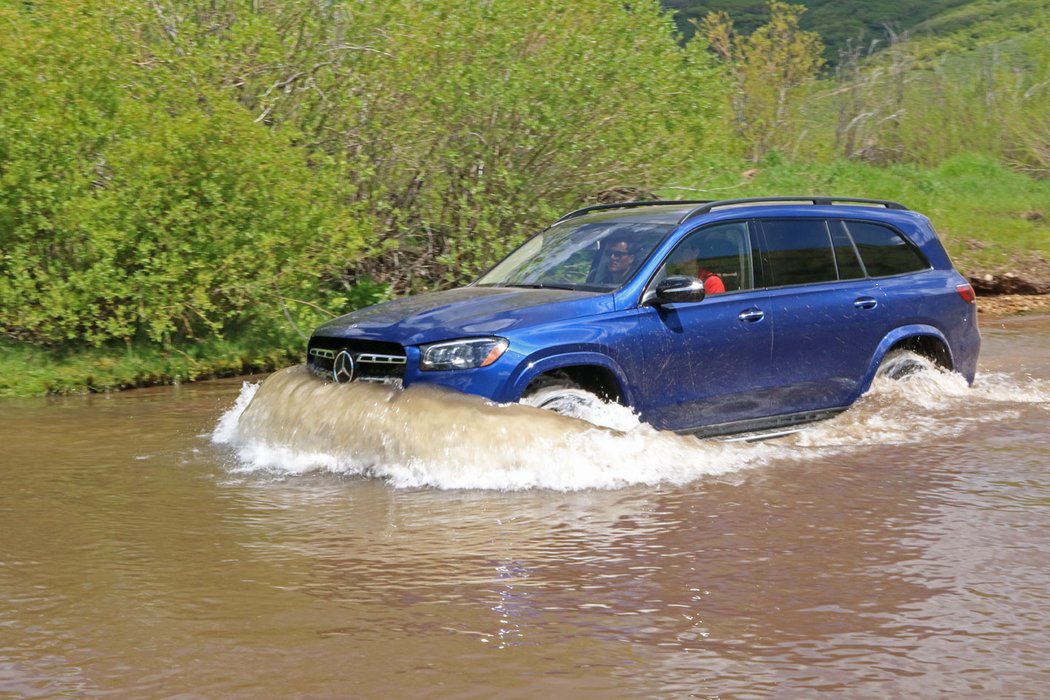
705, 317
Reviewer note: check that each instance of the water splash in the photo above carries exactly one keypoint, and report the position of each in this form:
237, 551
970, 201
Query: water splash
425, 436
295, 424
926, 405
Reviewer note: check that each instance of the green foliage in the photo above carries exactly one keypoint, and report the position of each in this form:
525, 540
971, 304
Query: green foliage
133, 207
483, 119
458, 126
983, 86
980, 23
774, 69
183, 169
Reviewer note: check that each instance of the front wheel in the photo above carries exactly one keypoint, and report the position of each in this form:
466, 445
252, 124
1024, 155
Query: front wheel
566, 400
557, 392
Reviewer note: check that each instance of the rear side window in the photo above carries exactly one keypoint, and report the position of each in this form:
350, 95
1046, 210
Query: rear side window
845, 254
884, 251
799, 251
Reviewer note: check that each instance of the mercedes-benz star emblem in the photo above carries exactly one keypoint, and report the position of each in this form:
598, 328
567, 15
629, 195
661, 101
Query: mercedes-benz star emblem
343, 367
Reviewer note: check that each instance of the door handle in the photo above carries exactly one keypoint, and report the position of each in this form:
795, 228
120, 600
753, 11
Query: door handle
751, 315
865, 303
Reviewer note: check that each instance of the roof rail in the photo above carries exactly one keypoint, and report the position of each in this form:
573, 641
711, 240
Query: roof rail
629, 205
706, 207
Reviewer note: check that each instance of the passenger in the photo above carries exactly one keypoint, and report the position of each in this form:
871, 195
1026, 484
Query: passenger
687, 262
713, 284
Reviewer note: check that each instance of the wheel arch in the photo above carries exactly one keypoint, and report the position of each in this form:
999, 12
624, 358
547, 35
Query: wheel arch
921, 339
593, 372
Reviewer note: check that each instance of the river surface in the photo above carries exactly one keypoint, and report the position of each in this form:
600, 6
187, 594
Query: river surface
232, 540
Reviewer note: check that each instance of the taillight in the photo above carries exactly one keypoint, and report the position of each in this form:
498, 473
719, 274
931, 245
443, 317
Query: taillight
966, 292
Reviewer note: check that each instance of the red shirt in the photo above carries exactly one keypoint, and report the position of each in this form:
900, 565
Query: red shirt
712, 283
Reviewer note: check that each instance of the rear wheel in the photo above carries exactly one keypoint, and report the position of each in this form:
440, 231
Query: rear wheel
899, 364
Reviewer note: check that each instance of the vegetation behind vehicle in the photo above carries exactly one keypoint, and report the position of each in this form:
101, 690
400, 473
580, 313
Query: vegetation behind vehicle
188, 186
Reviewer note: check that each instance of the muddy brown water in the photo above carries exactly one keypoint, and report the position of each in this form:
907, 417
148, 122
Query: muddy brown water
179, 542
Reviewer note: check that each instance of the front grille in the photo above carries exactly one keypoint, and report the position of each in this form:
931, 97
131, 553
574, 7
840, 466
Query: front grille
374, 361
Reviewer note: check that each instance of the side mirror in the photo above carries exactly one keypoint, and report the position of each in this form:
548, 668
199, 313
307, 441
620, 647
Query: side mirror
678, 289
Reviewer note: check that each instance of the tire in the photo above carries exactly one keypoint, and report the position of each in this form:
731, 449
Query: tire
560, 394
564, 400
899, 364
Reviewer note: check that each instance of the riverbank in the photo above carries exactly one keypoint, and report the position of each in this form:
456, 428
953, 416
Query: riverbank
1013, 304
27, 370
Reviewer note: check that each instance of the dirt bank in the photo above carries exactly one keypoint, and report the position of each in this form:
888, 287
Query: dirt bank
1027, 276
1009, 304
1024, 288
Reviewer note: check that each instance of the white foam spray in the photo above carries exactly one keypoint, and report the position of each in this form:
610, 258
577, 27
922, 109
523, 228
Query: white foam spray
295, 424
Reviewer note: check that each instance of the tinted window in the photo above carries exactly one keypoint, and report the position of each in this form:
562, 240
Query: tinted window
799, 252
723, 250
884, 251
845, 253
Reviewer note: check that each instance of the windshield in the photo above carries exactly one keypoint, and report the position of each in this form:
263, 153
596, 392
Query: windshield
598, 256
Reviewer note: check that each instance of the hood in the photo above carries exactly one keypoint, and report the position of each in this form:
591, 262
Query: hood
460, 313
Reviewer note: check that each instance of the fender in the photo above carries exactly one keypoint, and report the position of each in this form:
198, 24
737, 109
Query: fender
535, 366
894, 337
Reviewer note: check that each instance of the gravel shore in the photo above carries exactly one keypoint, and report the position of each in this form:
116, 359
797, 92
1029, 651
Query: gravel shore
1009, 304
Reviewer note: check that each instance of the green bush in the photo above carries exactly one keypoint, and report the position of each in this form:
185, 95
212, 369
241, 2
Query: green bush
179, 170
134, 207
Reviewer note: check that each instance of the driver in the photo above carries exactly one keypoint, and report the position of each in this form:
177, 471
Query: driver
621, 260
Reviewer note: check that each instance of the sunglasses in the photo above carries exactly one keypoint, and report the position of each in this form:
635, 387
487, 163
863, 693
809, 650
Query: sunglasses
620, 254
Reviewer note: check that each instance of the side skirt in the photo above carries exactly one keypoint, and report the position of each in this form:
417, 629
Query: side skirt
763, 428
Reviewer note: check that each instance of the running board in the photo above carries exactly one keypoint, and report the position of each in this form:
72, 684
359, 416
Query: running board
762, 428
755, 437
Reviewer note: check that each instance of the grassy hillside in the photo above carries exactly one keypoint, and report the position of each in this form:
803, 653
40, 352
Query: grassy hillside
989, 217
982, 86
945, 24
982, 23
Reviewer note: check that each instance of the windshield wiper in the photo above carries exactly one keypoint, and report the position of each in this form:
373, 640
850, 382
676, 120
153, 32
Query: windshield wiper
542, 285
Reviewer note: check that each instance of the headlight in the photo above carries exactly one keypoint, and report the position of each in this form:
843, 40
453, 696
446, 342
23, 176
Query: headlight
462, 354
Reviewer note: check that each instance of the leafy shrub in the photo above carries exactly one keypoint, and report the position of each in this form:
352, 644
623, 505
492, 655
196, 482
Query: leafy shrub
184, 169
